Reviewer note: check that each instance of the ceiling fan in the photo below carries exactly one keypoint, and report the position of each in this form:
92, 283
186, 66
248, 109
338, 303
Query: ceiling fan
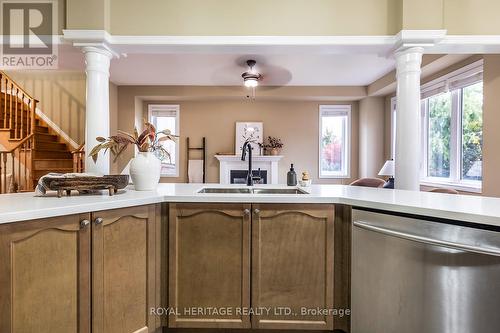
251, 77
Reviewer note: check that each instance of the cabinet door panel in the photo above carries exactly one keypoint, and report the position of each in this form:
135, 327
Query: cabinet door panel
209, 266
292, 254
124, 256
44, 276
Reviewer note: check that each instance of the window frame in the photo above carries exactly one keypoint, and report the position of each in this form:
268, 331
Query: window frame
465, 74
434, 88
168, 108
393, 126
340, 110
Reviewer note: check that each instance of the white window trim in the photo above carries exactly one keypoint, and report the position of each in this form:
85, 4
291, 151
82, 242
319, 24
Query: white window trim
455, 181
169, 108
393, 126
347, 142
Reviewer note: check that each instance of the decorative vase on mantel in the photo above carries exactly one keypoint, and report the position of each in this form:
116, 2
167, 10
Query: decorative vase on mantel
274, 151
145, 171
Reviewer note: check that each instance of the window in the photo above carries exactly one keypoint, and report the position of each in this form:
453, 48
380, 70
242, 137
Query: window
164, 116
334, 141
452, 125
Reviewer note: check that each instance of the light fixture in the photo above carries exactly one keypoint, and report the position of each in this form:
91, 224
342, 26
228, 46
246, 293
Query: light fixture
388, 170
251, 78
251, 82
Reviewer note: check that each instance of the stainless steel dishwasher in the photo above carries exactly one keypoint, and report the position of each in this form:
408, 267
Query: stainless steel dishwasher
411, 275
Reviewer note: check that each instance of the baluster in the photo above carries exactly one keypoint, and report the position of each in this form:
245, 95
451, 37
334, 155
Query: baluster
26, 145
14, 182
16, 123
1, 172
5, 173
22, 116
19, 165
10, 108
4, 101
33, 114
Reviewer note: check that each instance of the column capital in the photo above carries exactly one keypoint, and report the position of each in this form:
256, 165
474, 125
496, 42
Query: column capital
100, 49
409, 39
409, 60
92, 41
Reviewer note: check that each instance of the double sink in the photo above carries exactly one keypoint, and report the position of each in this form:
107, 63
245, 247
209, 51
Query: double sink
243, 190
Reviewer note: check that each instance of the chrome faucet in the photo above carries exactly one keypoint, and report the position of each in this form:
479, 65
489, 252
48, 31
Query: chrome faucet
247, 146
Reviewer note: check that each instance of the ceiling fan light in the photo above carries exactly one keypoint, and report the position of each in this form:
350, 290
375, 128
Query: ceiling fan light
251, 82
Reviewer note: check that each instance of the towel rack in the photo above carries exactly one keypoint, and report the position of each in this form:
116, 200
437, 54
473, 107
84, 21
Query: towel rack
203, 149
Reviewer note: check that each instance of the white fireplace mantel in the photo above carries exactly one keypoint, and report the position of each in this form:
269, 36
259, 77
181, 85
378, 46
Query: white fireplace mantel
234, 162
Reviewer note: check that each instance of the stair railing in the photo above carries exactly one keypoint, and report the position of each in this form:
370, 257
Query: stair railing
15, 166
79, 159
18, 110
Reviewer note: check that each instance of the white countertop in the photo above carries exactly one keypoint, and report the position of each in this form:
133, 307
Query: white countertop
476, 209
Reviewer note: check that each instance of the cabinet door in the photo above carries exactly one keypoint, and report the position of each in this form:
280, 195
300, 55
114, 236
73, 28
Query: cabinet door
209, 265
44, 275
123, 270
292, 266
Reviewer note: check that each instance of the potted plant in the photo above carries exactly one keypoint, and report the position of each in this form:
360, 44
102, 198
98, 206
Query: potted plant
273, 145
146, 166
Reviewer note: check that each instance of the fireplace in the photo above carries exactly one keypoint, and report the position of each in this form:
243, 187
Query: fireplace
234, 171
240, 176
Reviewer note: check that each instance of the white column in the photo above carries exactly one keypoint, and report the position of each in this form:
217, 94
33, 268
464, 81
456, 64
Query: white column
407, 159
97, 61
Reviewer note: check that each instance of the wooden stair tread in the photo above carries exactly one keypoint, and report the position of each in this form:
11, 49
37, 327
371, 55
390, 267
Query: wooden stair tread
53, 169
52, 159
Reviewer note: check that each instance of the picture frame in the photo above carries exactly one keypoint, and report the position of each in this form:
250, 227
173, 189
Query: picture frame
245, 130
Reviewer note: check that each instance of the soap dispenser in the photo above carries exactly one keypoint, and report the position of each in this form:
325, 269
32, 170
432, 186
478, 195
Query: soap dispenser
291, 177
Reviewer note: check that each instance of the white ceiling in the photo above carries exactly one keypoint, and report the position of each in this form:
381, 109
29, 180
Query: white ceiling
226, 69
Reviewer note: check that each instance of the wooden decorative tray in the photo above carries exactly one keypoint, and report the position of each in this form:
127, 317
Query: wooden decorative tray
112, 183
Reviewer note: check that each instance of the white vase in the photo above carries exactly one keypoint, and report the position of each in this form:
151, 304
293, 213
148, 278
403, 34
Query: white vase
145, 171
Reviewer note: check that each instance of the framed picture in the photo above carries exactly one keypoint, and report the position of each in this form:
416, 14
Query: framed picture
249, 130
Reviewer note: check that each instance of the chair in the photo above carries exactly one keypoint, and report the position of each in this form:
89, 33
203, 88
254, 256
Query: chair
368, 182
444, 190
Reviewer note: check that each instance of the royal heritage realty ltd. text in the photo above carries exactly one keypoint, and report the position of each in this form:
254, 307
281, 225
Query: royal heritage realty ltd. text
248, 311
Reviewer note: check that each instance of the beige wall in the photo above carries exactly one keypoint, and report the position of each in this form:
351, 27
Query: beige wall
283, 17
295, 122
88, 14
471, 17
113, 118
259, 17
491, 126
61, 95
371, 136
422, 14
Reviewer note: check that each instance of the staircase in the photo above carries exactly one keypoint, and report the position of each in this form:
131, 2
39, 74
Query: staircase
29, 148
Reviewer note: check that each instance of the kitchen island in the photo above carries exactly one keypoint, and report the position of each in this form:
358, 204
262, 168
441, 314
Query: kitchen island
179, 259
473, 209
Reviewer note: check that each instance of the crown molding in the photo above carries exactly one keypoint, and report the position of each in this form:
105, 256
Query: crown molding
433, 42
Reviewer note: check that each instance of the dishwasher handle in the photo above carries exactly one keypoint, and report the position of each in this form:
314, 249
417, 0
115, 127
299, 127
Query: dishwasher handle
427, 240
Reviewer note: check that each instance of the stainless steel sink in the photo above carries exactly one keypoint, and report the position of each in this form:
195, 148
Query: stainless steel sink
243, 190
224, 190
278, 191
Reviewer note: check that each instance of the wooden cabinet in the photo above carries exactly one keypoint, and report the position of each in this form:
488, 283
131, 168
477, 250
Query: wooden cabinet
209, 265
124, 270
292, 266
53, 270
45, 275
